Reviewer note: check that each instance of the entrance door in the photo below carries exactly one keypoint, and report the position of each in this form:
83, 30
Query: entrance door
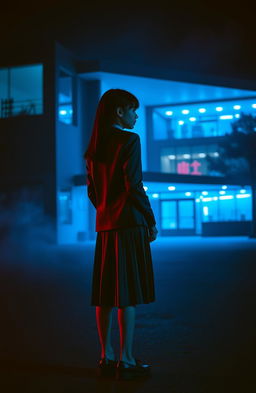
178, 217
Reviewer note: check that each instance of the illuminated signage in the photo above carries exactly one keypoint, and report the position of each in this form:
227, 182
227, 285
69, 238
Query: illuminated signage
184, 168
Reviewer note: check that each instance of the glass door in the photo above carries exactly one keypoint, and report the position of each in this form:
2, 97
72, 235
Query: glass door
178, 217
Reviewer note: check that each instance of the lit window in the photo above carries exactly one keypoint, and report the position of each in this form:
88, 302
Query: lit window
65, 108
21, 91
65, 208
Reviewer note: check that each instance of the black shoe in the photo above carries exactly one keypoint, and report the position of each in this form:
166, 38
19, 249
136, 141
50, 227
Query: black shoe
126, 370
107, 367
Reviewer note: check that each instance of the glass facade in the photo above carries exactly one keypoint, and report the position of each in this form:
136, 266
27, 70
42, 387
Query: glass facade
185, 135
185, 207
199, 120
188, 159
21, 90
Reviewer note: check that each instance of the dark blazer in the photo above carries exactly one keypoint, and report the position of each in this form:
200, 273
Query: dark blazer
115, 186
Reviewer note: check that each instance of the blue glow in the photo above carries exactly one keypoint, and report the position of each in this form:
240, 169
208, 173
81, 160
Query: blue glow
205, 192
187, 193
171, 157
243, 191
207, 199
185, 111
237, 107
181, 122
237, 115
145, 188
202, 110
224, 187
171, 188
205, 210
222, 192
226, 117
243, 195
219, 108
226, 197
192, 118
168, 113
63, 112
254, 105
155, 195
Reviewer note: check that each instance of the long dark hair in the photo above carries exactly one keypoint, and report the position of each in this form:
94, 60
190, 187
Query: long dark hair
105, 117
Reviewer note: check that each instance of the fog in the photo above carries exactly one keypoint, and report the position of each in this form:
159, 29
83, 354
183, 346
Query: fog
24, 227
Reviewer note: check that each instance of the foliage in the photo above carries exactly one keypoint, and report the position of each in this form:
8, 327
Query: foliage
237, 150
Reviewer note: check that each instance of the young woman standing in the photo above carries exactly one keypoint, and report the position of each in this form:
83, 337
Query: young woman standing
125, 225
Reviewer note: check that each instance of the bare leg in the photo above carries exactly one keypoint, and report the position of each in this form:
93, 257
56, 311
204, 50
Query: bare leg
126, 320
104, 323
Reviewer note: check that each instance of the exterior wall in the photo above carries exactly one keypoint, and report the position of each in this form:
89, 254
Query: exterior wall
27, 158
75, 222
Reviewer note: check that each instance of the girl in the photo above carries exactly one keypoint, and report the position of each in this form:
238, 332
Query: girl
125, 225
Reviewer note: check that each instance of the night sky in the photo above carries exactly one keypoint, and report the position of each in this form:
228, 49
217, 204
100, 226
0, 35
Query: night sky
216, 37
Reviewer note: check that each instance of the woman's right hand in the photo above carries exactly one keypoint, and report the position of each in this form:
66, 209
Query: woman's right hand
152, 233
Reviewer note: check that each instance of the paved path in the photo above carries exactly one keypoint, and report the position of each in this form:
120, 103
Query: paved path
199, 335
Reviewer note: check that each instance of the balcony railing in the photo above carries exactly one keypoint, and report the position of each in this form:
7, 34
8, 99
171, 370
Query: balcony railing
11, 108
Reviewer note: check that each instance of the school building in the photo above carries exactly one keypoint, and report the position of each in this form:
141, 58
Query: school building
48, 103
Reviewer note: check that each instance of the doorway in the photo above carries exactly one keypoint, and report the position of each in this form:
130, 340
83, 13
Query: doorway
178, 217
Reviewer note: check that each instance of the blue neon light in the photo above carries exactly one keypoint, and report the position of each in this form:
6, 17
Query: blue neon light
226, 117
243, 195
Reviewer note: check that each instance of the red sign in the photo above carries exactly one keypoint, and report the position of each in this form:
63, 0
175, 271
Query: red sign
183, 168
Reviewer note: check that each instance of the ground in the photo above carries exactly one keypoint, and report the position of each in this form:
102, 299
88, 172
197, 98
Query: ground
199, 334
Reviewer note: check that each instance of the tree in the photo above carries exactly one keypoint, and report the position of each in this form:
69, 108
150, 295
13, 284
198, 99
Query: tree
237, 157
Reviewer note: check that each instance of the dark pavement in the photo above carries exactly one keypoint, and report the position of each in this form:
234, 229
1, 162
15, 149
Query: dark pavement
199, 334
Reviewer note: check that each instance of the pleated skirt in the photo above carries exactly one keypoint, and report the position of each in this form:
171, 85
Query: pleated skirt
122, 271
